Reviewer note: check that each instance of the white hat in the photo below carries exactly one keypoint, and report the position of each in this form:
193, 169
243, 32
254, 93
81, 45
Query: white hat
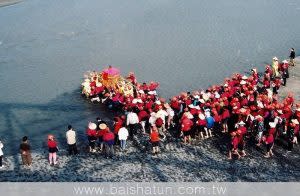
134, 101
139, 101
151, 92
201, 116
102, 126
225, 85
141, 91
158, 102
295, 121
201, 100
260, 104
98, 84
197, 107
241, 123
92, 126
153, 114
279, 111
258, 116
275, 58
205, 96
243, 82
244, 77
217, 95
196, 97
272, 124
191, 106
285, 61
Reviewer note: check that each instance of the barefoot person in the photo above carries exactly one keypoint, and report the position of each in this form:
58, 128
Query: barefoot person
123, 135
52, 147
233, 146
269, 142
71, 140
25, 152
154, 139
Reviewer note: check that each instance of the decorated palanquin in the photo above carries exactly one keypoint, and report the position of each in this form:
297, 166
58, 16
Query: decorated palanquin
109, 78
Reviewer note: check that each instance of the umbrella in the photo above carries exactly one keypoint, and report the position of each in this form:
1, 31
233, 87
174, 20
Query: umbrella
112, 71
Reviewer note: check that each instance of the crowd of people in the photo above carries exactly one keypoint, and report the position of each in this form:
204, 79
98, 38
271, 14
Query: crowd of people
244, 107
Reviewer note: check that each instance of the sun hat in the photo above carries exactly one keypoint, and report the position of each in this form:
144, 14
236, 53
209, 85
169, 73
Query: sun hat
272, 124
196, 96
285, 61
244, 77
191, 106
92, 126
243, 82
102, 126
197, 107
241, 123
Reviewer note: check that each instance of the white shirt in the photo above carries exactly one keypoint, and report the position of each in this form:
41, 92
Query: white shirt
170, 112
162, 114
132, 118
152, 120
123, 133
71, 137
1, 146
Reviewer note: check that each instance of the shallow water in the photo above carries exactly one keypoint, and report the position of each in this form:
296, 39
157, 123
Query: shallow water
46, 46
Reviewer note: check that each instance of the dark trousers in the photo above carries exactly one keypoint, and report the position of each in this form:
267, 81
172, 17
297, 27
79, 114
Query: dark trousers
109, 150
284, 81
133, 129
72, 149
1, 161
290, 145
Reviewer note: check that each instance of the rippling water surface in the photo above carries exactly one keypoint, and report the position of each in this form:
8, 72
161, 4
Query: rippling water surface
46, 46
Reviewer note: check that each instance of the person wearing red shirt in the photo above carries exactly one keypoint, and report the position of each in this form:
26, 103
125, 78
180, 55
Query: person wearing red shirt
143, 118
269, 142
186, 127
241, 143
109, 140
52, 147
225, 116
154, 139
200, 125
92, 136
233, 146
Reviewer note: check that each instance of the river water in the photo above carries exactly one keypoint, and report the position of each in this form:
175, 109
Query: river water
47, 45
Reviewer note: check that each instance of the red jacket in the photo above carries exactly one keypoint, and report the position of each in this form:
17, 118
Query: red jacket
270, 139
201, 122
143, 115
108, 136
154, 136
186, 124
52, 144
235, 142
91, 132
